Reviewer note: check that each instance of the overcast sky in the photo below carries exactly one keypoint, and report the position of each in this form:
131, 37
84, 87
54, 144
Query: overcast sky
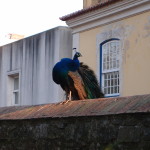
28, 17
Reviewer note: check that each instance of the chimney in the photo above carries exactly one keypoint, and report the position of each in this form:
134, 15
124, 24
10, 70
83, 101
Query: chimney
89, 3
15, 36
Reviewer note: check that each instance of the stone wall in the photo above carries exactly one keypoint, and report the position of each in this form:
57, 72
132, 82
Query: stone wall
121, 123
114, 132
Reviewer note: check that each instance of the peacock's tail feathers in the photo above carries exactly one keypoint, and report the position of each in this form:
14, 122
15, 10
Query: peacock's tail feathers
78, 84
90, 82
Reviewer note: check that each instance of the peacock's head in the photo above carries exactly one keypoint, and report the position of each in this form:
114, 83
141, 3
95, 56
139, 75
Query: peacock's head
77, 54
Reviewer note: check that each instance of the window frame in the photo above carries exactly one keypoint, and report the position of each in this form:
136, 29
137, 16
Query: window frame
11, 91
15, 90
108, 71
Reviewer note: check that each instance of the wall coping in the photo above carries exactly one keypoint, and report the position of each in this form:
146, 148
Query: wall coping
92, 107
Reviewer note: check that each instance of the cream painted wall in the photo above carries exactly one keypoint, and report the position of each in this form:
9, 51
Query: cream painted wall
88, 47
136, 72
134, 34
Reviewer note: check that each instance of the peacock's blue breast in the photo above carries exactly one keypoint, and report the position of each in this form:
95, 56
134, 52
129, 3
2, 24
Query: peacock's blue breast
61, 69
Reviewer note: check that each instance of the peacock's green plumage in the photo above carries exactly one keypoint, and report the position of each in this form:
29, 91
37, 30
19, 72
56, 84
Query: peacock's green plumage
91, 84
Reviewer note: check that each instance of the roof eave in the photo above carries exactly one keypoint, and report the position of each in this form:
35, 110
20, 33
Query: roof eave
89, 9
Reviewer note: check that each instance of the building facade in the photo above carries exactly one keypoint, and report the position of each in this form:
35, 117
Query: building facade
114, 39
26, 68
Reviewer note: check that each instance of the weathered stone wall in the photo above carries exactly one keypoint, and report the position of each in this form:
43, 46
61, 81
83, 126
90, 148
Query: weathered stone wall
109, 132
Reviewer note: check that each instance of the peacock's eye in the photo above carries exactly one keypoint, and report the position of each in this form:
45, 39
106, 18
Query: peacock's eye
78, 54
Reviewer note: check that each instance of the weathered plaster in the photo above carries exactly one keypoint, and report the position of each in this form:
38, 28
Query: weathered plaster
134, 55
34, 58
147, 28
121, 32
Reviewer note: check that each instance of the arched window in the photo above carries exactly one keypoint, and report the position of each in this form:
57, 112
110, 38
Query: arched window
110, 64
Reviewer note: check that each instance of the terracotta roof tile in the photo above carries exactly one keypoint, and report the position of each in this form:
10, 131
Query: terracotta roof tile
93, 107
103, 3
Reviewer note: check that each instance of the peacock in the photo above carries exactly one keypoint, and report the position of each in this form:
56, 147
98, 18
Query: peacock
76, 79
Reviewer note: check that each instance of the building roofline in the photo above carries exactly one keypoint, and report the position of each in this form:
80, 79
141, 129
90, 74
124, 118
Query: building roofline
103, 3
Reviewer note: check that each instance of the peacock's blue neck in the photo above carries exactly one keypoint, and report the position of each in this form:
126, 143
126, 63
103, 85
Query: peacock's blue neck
76, 63
75, 57
68, 64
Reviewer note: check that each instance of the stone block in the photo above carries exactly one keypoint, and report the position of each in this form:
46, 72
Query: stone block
129, 134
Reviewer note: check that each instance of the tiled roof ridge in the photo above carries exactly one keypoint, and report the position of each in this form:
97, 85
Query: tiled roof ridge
86, 10
94, 107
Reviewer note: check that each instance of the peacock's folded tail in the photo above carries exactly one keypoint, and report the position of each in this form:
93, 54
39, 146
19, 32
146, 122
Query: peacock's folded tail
78, 85
89, 79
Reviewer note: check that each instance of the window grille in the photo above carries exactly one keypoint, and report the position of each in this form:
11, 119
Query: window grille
13, 87
110, 51
16, 90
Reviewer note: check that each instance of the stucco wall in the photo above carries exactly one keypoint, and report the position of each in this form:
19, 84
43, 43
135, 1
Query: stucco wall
33, 58
134, 34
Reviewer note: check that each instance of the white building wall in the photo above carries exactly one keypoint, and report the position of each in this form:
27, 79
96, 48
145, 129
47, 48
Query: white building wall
33, 58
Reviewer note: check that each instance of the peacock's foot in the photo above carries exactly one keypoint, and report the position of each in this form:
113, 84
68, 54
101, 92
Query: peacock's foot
65, 102
68, 97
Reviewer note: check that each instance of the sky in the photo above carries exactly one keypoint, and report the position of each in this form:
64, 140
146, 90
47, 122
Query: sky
28, 17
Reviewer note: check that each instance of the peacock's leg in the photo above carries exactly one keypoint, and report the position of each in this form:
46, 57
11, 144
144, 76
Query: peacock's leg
70, 96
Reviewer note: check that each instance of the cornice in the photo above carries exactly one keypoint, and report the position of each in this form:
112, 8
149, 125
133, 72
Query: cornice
114, 12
